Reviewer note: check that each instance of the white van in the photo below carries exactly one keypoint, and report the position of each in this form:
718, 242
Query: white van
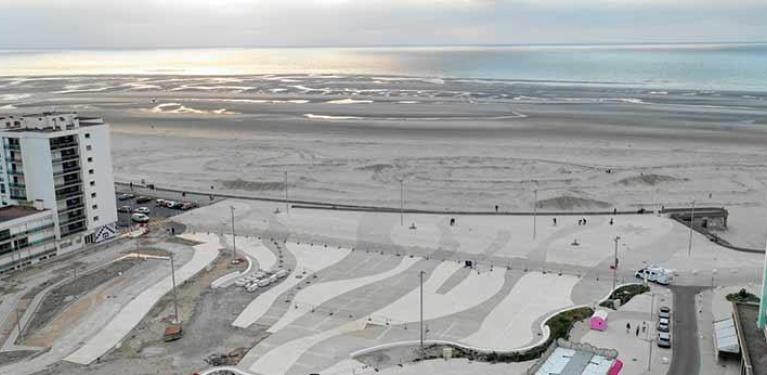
655, 274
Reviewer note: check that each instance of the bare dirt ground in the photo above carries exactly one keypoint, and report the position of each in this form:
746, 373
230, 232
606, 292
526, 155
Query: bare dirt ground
65, 295
206, 314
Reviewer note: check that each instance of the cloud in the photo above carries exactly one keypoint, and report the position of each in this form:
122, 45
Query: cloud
243, 23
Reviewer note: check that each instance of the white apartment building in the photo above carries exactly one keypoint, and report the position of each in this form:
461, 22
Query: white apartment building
61, 162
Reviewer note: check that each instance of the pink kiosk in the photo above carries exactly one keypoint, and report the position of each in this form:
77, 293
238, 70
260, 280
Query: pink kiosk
598, 321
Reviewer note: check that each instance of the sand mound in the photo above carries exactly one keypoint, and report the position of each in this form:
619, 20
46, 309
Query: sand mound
240, 184
566, 202
648, 179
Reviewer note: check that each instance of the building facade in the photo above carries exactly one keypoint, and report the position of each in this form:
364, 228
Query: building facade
63, 163
27, 235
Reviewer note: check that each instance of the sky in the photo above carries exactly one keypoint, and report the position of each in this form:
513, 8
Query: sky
279, 23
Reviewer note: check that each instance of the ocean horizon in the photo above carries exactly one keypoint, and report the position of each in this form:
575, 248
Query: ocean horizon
700, 66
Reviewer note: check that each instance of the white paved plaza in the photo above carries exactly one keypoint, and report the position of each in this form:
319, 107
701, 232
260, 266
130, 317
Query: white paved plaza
365, 268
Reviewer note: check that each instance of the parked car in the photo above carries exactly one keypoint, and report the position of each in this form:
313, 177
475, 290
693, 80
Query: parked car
143, 210
188, 205
252, 287
160, 202
664, 340
242, 282
173, 204
664, 312
665, 321
663, 327
125, 209
125, 197
139, 218
264, 283
143, 199
281, 273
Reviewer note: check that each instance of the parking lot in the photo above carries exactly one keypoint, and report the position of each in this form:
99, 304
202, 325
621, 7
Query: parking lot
156, 212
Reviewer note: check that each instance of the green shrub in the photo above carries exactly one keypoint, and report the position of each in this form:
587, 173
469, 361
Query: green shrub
742, 296
625, 294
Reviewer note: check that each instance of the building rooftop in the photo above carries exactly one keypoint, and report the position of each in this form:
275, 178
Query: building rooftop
9, 213
47, 122
752, 340
565, 361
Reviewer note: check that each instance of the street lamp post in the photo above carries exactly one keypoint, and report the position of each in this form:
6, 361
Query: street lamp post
173, 283
234, 237
649, 339
420, 275
535, 211
692, 224
287, 206
615, 261
402, 201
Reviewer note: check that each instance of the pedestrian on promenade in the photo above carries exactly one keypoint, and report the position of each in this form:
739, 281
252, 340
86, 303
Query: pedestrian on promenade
628, 327
637, 331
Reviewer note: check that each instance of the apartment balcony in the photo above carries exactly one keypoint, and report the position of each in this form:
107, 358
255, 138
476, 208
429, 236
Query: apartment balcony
73, 228
65, 171
70, 209
65, 158
16, 173
62, 195
16, 147
63, 145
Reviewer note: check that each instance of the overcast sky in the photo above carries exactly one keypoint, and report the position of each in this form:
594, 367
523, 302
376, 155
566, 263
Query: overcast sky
254, 23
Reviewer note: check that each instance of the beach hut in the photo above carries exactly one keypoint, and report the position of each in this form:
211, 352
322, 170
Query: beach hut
598, 321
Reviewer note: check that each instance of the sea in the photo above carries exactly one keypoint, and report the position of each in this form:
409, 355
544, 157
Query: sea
728, 66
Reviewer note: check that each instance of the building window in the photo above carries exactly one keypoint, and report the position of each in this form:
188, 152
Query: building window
87, 135
95, 206
90, 159
90, 171
93, 183
88, 147
95, 218
93, 195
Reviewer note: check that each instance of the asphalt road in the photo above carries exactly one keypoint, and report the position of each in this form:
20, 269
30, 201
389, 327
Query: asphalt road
685, 359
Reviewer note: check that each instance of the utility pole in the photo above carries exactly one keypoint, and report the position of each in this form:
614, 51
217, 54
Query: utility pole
421, 322
615, 261
535, 211
402, 201
173, 283
287, 206
692, 224
649, 339
234, 237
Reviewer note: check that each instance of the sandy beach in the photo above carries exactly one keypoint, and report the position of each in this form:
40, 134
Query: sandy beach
459, 144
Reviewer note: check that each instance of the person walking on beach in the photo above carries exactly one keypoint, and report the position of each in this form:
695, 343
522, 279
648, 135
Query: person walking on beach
637, 334
555, 221
611, 221
628, 327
